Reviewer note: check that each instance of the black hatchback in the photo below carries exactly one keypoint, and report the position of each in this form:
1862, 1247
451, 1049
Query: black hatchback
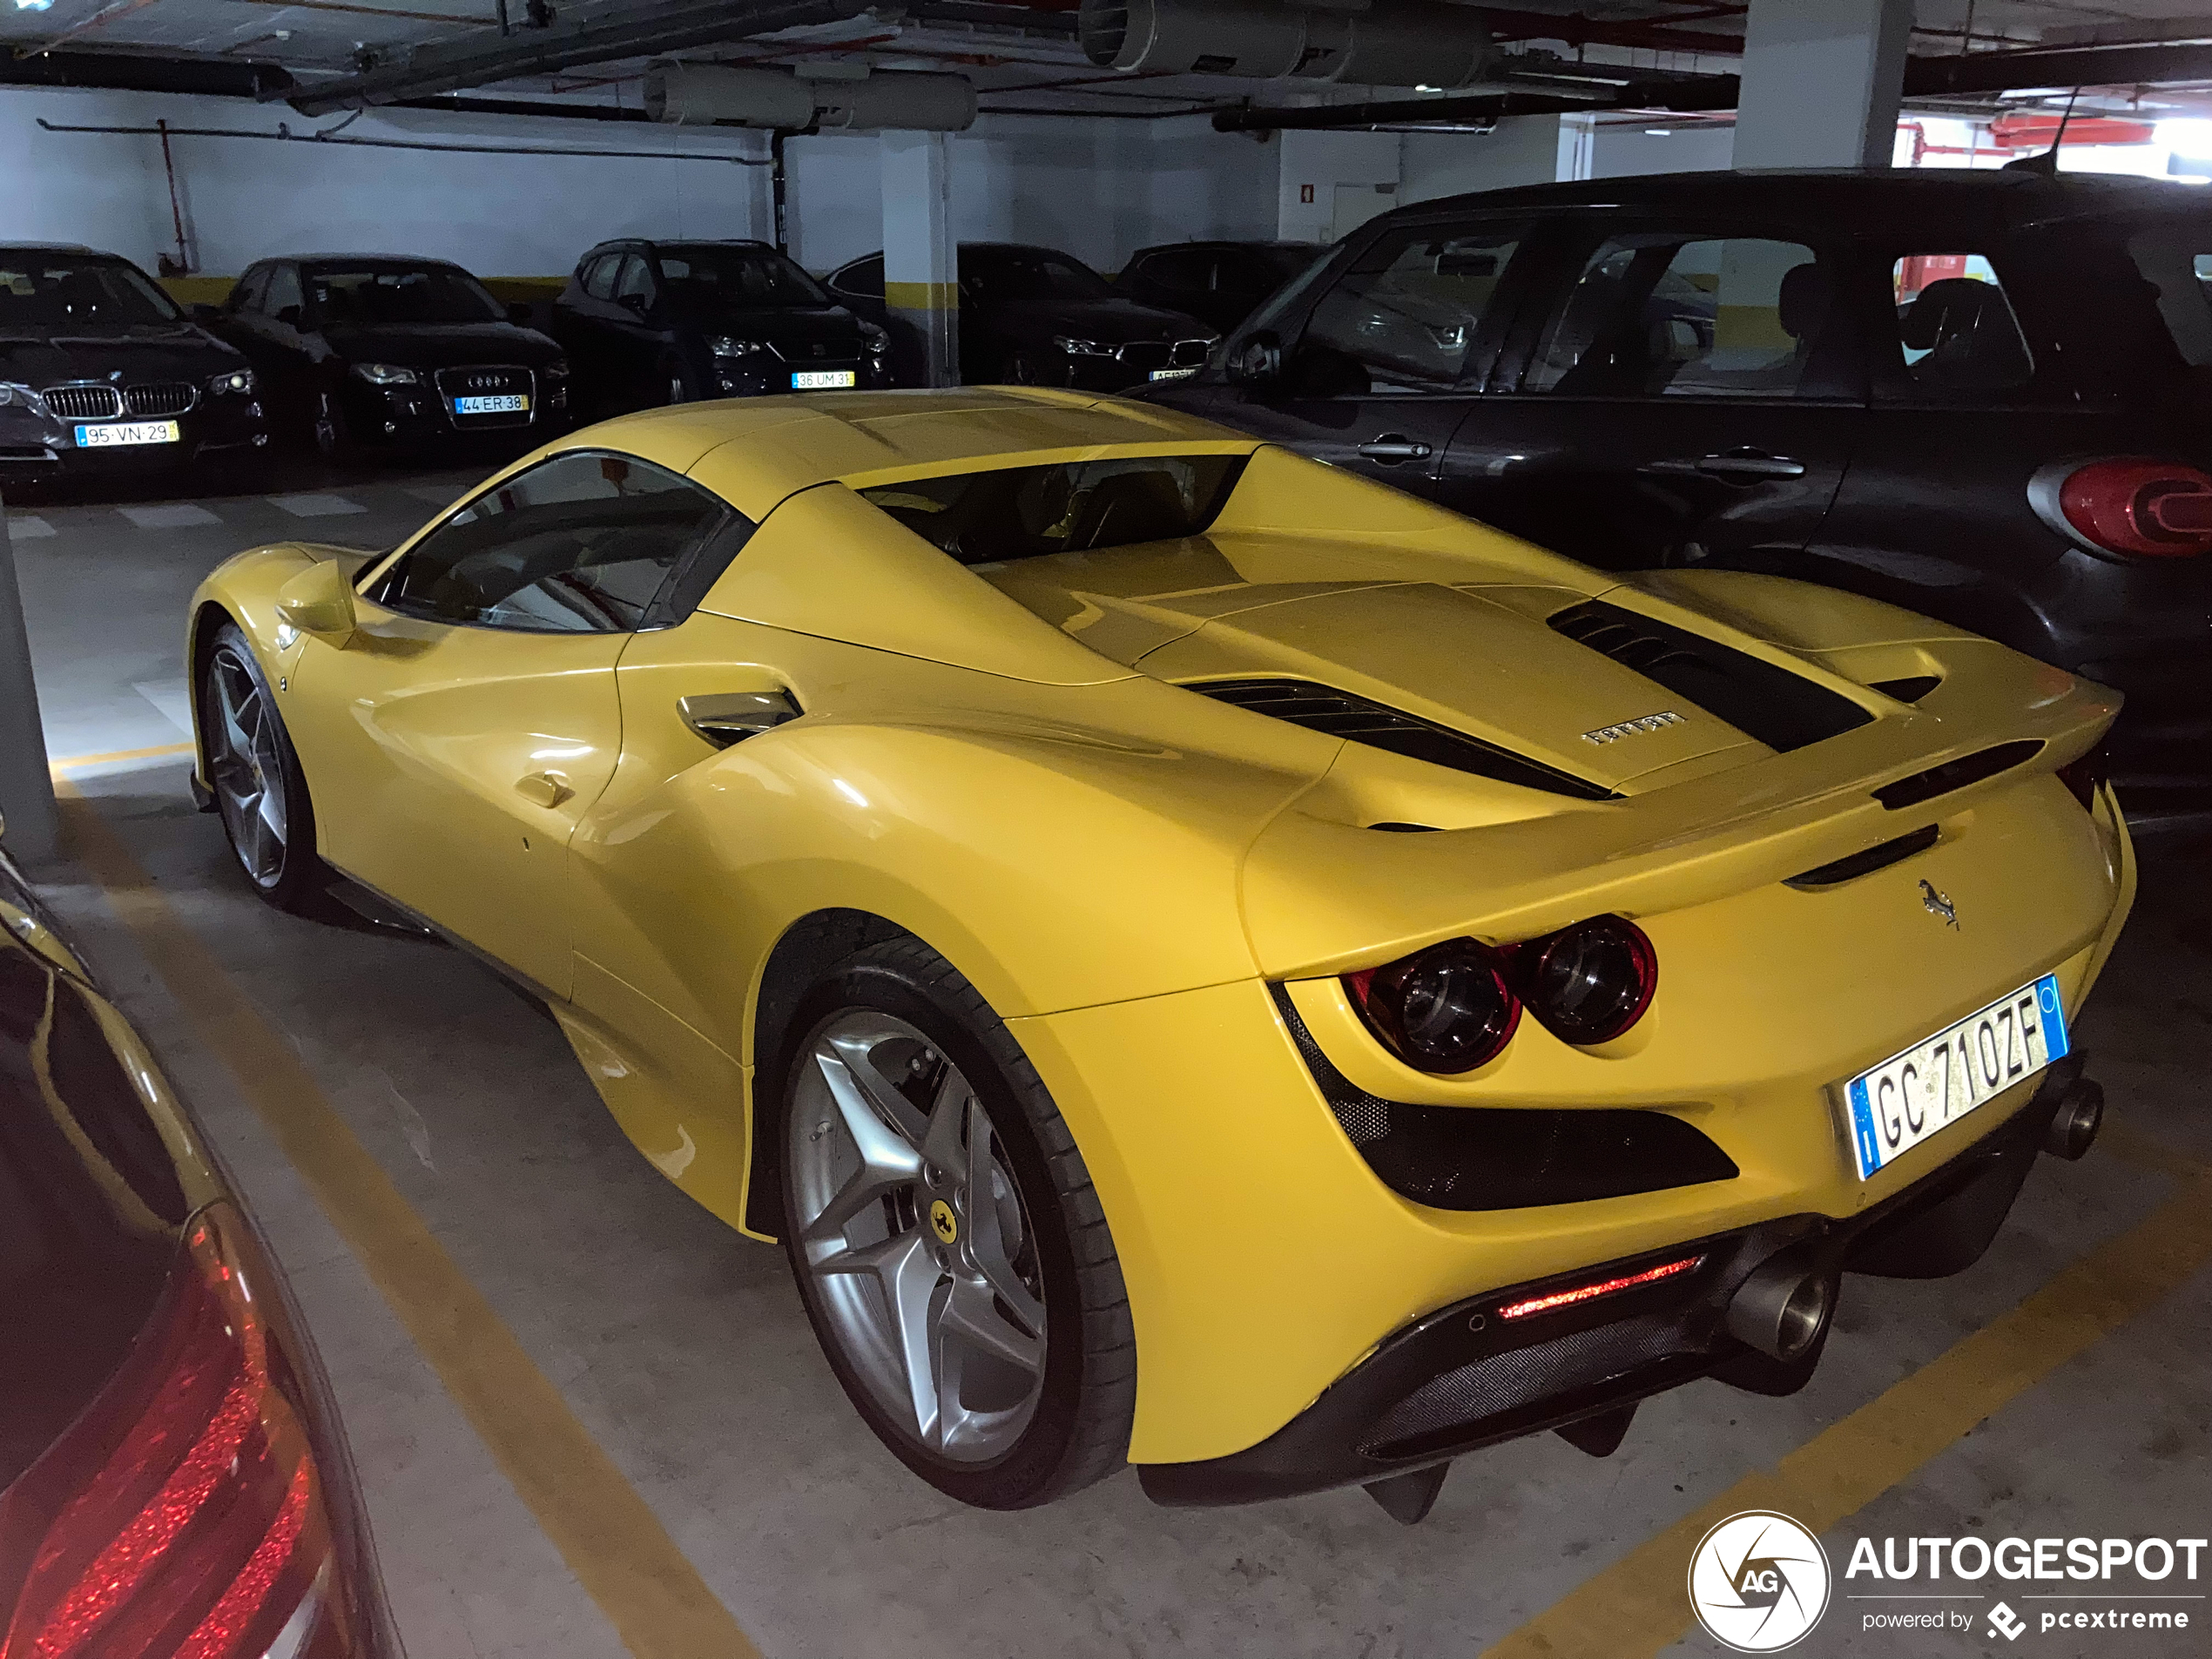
1219, 283
648, 323
1983, 396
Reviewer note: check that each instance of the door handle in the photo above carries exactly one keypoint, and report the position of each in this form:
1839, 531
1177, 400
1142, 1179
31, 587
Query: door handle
1394, 447
1745, 464
724, 717
543, 788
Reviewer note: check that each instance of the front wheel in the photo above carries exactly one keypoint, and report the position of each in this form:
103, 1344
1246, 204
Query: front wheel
259, 790
333, 436
946, 1240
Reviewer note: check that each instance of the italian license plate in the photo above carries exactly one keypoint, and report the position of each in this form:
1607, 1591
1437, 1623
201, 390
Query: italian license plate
1172, 374
1912, 1096
822, 379
506, 403
123, 432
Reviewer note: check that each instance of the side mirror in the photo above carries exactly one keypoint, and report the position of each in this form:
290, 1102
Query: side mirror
635, 302
319, 601
520, 313
289, 316
1257, 360
204, 313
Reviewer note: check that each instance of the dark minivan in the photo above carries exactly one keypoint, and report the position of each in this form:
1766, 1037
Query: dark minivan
1984, 396
649, 323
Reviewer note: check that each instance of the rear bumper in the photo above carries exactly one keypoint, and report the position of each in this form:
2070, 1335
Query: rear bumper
1465, 1377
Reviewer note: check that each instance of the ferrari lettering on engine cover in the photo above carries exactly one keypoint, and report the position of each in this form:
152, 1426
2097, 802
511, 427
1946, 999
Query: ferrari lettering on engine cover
1642, 723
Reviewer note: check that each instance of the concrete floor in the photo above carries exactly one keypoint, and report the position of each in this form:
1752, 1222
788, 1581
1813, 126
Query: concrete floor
683, 1349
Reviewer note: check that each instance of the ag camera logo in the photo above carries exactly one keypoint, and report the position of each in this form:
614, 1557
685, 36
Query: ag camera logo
1758, 1582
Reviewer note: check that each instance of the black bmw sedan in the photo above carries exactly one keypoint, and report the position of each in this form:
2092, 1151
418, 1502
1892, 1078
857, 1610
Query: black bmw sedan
365, 352
648, 323
1985, 397
101, 376
1034, 316
174, 1479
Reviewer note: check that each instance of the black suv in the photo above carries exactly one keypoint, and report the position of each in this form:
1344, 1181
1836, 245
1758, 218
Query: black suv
649, 323
1985, 396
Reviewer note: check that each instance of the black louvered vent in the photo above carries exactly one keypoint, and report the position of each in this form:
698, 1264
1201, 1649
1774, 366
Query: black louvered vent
1339, 714
1782, 709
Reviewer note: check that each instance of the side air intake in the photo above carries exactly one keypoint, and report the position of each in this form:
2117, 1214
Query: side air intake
1339, 714
1782, 709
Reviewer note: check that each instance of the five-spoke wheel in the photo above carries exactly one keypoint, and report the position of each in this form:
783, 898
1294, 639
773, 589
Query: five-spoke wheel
249, 767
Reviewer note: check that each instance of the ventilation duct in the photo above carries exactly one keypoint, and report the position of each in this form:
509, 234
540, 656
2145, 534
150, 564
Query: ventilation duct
702, 94
1368, 43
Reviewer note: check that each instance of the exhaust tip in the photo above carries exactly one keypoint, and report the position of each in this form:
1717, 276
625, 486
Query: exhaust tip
1782, 1308
2075, 1125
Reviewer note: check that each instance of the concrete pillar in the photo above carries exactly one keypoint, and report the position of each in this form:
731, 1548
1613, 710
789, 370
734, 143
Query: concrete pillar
920, 256
26, 787
1821, 83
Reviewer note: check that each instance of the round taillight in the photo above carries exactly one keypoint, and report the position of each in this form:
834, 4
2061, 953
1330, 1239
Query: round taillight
1448, 1009
2148, 507
1590, 983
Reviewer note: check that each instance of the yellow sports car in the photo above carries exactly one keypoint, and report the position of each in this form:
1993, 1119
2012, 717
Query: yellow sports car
1201, 959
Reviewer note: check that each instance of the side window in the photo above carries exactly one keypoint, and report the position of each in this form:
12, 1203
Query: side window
283, 293
599, 276
1183, 271
581, 543
634, 288
1667, 314
1404, 316
245, 295
1955, 327
862, 279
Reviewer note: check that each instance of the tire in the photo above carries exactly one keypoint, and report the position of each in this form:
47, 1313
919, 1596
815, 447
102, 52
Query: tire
333, 436
259, 793
677, 383
1015, 1311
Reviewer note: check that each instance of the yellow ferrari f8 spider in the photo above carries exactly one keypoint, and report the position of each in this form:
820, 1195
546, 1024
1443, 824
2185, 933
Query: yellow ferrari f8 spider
1202, 959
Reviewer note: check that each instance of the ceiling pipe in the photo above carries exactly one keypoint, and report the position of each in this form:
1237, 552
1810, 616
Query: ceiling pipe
1382, 43
283, 135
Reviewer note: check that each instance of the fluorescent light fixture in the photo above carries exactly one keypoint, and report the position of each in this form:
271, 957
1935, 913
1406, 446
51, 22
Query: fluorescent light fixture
1417, 89
1658, 133
33, 5
2189, 136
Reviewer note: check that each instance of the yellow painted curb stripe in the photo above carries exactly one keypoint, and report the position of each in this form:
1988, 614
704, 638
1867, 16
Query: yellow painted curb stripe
1639, 1606
921, 296
609, 1537
159, 752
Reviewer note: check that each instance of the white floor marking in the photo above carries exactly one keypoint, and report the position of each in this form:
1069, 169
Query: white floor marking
315, 506
28, 527
438, 495
172, 698
170, 515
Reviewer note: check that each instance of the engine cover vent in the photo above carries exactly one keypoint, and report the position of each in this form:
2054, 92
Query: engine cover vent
1782, 709
1340, 714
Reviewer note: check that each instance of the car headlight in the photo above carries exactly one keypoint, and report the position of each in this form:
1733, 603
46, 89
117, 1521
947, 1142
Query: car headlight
237, 381
387, 374
876, 339
1086, 347
723, 346
14, 394
555, 370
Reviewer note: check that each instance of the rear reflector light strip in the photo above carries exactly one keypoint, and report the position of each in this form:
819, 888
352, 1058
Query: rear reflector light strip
1547, 1303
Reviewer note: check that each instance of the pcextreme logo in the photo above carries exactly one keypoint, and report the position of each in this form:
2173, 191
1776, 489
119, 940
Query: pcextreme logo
1758, 1582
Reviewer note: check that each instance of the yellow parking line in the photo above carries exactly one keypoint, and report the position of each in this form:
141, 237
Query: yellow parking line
159, 751
612, 1540
1638, 1606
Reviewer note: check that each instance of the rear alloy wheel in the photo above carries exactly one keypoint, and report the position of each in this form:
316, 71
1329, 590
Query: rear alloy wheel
958, 1274
258, 792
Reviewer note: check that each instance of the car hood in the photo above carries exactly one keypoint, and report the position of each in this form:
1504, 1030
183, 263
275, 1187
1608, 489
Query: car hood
183, 352
441, 345
1111, 320
794, 331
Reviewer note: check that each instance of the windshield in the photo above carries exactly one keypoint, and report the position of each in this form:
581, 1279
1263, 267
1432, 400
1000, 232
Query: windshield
2177, 261
984, 518
1279, 265
42, 294
1028, 273
392, 294
703, 281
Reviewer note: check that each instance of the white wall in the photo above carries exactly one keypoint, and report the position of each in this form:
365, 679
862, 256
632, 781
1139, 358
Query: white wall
1316, 164
1522, 150
1621, 149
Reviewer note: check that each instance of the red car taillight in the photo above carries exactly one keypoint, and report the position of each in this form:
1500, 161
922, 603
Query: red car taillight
191, 1517
1448, 1009
2136, 505
1590, 983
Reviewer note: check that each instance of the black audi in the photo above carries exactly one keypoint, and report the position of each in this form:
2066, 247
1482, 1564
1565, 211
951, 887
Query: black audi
364, 352
648, 323
102, 376
1985, 397
1034, 316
